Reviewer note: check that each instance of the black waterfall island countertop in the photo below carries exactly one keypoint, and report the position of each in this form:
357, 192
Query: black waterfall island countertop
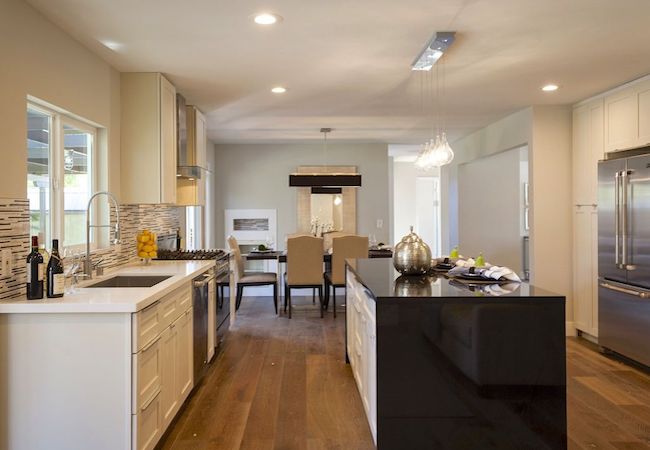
457, 368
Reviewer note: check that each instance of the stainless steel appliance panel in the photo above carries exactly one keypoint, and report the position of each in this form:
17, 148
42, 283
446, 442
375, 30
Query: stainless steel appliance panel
200, 307
637, 211
609, 220
624, 320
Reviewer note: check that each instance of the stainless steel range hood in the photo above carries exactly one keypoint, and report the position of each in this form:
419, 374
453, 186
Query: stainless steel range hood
186, 166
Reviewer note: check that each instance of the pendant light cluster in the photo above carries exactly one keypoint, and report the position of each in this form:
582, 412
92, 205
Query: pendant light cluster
436, 152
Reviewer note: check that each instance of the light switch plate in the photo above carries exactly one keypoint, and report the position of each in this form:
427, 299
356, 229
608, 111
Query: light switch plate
6, 266
380, 223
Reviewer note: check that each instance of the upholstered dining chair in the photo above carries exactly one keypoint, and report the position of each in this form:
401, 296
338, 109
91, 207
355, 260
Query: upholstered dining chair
344, 247
304, 267
328, 238
245, 279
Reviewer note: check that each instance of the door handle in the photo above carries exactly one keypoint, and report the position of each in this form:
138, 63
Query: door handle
617, 217
624, 226
613, 287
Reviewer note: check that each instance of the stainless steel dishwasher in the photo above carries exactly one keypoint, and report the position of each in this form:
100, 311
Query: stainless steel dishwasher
200, 295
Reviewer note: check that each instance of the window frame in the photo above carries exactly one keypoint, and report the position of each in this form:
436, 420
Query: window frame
58, 120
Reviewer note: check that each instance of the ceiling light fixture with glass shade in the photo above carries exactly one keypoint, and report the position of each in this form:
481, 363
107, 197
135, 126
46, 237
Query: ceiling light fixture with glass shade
436, 152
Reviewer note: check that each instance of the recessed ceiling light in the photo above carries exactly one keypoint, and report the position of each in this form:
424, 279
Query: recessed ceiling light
279, 90
550, 88
111, 44
266, 19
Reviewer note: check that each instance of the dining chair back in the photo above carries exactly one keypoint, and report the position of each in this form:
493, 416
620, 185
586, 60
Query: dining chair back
346, 247
304, 260
236, 251
329, 237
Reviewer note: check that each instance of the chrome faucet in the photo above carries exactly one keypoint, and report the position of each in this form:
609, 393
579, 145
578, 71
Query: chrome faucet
88, 268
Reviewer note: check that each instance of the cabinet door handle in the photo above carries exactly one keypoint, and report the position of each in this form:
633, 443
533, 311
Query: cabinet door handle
150, 306
150, 344
148, 403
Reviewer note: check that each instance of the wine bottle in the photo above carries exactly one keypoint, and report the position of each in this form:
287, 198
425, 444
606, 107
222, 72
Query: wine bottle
55, 277
35, 272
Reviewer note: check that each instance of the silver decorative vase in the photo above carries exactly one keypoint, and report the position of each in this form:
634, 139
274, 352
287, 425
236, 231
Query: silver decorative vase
412, 256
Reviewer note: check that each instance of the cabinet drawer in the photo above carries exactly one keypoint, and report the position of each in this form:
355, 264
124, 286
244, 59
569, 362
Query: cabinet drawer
146, 325
147, 369
183, 299
173, 305
146, 424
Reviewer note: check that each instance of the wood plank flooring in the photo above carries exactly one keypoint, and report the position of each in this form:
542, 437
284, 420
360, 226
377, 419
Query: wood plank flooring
283, 384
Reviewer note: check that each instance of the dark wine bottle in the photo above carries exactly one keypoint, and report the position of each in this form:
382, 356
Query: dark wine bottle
35, 272
55, 277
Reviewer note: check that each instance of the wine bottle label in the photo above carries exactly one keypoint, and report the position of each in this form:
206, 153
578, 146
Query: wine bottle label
58, 285
41, 272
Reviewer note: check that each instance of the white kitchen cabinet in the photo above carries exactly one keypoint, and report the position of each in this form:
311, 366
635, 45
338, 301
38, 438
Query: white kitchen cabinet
588, 149
184, 374
197, 138
627, 117
148, 424
191, 192
585, 269
362, 346
148, 139
168, 398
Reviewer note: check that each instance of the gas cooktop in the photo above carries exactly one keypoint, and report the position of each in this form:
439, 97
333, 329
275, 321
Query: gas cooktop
191, 254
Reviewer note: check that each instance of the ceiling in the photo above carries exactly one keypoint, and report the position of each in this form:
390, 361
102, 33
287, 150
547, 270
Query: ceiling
346, 63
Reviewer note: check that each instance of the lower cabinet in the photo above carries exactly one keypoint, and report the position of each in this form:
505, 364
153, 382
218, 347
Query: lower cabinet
585, 269
162, 371
362, 346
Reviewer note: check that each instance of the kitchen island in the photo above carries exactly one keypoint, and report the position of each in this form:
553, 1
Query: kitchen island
441, 364
101, 368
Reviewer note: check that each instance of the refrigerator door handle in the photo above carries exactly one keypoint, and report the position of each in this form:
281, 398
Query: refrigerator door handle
624, 182
624, 290
617, 218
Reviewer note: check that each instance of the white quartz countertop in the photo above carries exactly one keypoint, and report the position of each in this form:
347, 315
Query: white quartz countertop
114, 300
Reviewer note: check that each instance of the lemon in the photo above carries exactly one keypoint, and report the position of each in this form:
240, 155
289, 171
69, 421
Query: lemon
155, 247
147, 248
143, 254
152, 254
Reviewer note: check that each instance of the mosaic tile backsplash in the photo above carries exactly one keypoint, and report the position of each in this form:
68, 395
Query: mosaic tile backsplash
14, 236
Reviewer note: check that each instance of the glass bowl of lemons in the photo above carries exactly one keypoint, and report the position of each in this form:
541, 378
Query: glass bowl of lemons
147, 245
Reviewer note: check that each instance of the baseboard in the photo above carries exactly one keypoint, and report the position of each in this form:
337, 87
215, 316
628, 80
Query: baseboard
570, 329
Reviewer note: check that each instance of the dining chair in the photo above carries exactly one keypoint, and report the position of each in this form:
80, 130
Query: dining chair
329, 237
245, 279
344, 247
304, 267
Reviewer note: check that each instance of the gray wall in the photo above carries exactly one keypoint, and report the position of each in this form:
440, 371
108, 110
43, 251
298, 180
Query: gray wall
490, 192
256, 176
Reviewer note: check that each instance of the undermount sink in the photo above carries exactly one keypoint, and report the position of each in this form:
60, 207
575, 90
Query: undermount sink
130, 281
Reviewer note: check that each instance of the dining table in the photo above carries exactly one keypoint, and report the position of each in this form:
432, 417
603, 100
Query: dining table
281, 257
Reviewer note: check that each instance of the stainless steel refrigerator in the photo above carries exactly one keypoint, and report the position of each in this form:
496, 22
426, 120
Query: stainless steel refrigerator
624, 256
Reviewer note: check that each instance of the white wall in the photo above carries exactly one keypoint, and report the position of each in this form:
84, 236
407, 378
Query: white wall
405, 201
489, 192
551, 231
547, 132
256, 176
41, 60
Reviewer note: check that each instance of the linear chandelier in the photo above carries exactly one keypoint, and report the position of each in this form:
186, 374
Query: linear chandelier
435, 152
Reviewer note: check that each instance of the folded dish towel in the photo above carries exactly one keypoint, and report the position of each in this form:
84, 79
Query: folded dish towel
488, 272
470, 262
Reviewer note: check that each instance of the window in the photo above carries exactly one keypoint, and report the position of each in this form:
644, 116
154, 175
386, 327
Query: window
60, 176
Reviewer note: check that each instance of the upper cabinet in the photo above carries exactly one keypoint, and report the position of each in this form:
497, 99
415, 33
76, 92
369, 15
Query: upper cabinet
196, 137
191, 191
588, 149
148, 139
627, 118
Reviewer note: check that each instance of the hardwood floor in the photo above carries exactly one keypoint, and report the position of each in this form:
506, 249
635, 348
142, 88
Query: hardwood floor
277, 384
283, 384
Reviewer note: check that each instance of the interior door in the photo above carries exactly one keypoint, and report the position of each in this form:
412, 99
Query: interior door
609, 226
638, 213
